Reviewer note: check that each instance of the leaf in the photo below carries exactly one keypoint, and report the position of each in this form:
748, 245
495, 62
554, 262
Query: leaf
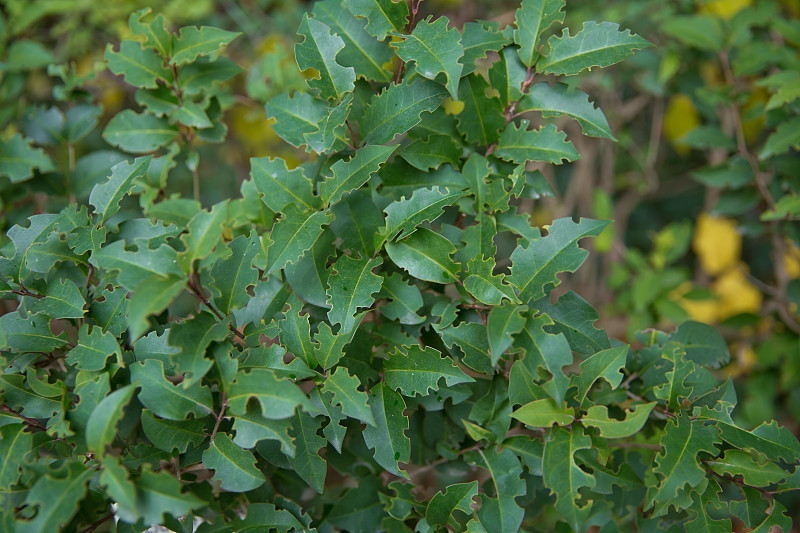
405, 300
501, 514
232, 277
308, 278
31, 334
676, 388
398, 108
278, 397
703, 344
292, 235
141, 67
14, 444
404, 215
151, 297
785, 138
443, 505
561, 100
610, 428
507, 75
196, 77
138, 133
473, 341
334, 432
482, 117
18, 159
575, 318
356, 222
169, 435
550, 352
159, 494
704, 32
361, 51
56, 497
295, 332
503, 322
534, 267
425, 255
279, 186
383, 16
135, 267
478, 38
344, 389
62, 299
352, 174
154, 32
387, 436
350, 288
486, 287
544, 413
520, 145
431, 153
94, 346
435, 49
306, 462
533, 18
606, 364
563, 476
205, 232
740, 463
331, 133
598, 44
296, 117
105, 197
318, 51
233, 467
193, 336
114, 478
173, 402
192, 42
102, 426
414, 371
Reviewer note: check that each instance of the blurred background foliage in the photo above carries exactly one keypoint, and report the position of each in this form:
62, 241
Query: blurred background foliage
702, 184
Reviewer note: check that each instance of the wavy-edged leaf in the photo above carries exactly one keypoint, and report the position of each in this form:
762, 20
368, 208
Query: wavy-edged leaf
169, 435
383, 16
387, 437
740, 463
606, 364
544, 413
105, 196
278, 397
563, 476
502, 513
251, 428
293, 234
94, 346
533, 18
62, 299
503, 322
353, 173
482, 116
306, 462
350, 288
141, 67
29, 334
575, 317
443, 505
18, 159
279, 186
432, 152
295, 117
405, 300
520, 145
102, 426
139, 133
612, 428
561, 100
232, 276
56, 497
318, 51
192, 42
234, 467
14, 443
151, 297
785, 138
404, 215
425, 255
398, 108
414, 371
478, 38
344, 389
166, 400
549, 352
507, 75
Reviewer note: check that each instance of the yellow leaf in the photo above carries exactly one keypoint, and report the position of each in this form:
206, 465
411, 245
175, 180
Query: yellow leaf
716, 242
736, 295
706, 311
680, 118
724, 9
791, 260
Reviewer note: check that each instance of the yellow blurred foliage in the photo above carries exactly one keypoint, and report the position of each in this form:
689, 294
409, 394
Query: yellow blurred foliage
791, 260
735, 294
744, 357
716, 242
724, 9
680, 118
453, 107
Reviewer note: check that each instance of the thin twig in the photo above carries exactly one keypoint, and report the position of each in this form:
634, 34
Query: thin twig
94, 525
221, 414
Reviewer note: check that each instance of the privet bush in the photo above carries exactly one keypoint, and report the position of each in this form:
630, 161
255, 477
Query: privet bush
366, 342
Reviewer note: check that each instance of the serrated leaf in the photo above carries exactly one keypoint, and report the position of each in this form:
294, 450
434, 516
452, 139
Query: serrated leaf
387, 436
405, 300
356, 222
293, 234
611, 428
398, 108
443, 505
296, 117
501, 514
169, 435
606, 364
435, 49
279, 186
295, 332
332, 130
533, 18
482, 116
233, 467
414, 371
503, 322
233, 276
154, 32
334, 431
30, 334
278, 397
702, 343
676, 387
318, 51
425, 255
478, 38
507, 75
383, 16
563, 476
519, 144
151, 297
192, 42
159, 494
486, 287
575, 317
196, 77
344, 389
353, 173
173, 402
205, 232
308, 278
597, 44
306, 462
544, 413
561, 100
193, 336
138, 133
740, 463
105, 197
432, 152
404, 215
56, 497
18, 159
534, 267
251, 428
14, 443
62, 299
141, 67
785, 138
94, 346
549, 352
350, 288
102, 425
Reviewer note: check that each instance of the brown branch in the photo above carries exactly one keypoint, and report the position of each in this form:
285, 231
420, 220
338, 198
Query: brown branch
30, 421
196, 289
221, 414
97, 523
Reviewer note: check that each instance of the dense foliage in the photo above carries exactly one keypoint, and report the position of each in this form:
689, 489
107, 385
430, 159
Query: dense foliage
369, 340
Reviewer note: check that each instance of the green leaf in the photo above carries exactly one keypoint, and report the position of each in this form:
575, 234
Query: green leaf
30, 334
331, 133
233, 276
203, 41
678, 386
141, 67
704, 32
546, 351
703, 344
383, 16
473, 340
606, 364
740, 463
350, 288
547, 144
295, 332
431, 153
575, 318
296, 118
160, 494
306, 461
356, 221
233, 467
105, 197
598, 44
330, 346
544, 413
425, 255
414, 371
535, 267
205, 232
18, 159
443, 505
102, 426
56, 497
151, 297
344, 389
62, 299
482, 117
563, 476
251, 428
169, 435
154, 32
611, 428
195, 78
560, 100
293, 234
114, 478
308, 278
435, 49
361, 51
334, 432
486, 287
278, 397
279, 186
404, 215
353, 173
533, 18
478, 38
173, 402
405, 300
501, 514
138, 133
785, 138
318, 51
398, 108
503, 322
507, 75
193, 336
14, 444
387, 437
94, 346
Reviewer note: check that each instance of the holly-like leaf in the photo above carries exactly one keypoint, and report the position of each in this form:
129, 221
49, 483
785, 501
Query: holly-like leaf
140, 66
278, 397
344, 389
296, 117
507, 75
192, 42
605, 364
611, 428
139, 133
293, 234
295, 332
546, 351
173, 402
597, 44
478, 38
318, 51
193, 336
398, 108
114, 478
404, 215
482, 116
233, 467
169, 435
785, 138
405, 300
486, 287
62, 299
205, 232
425, 255
413, 370
29, 334
544, 413
306, 462
56, 497
159, 494
435, 49
503, 322
676, 388
702, 344
94, 346
740, 463
196, 77
331, 135
519, 144
535, 266
102, 425
251, 428
151, 297
353, 173
432, 152
502, 513
561, 100
18, 159
383, 16
533, 18
387, 436
105, 197
575, 317
350, 288
308, 278
279, 186
473, 340
233, 276
14, 443
563, 476
443, 505
356, 222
